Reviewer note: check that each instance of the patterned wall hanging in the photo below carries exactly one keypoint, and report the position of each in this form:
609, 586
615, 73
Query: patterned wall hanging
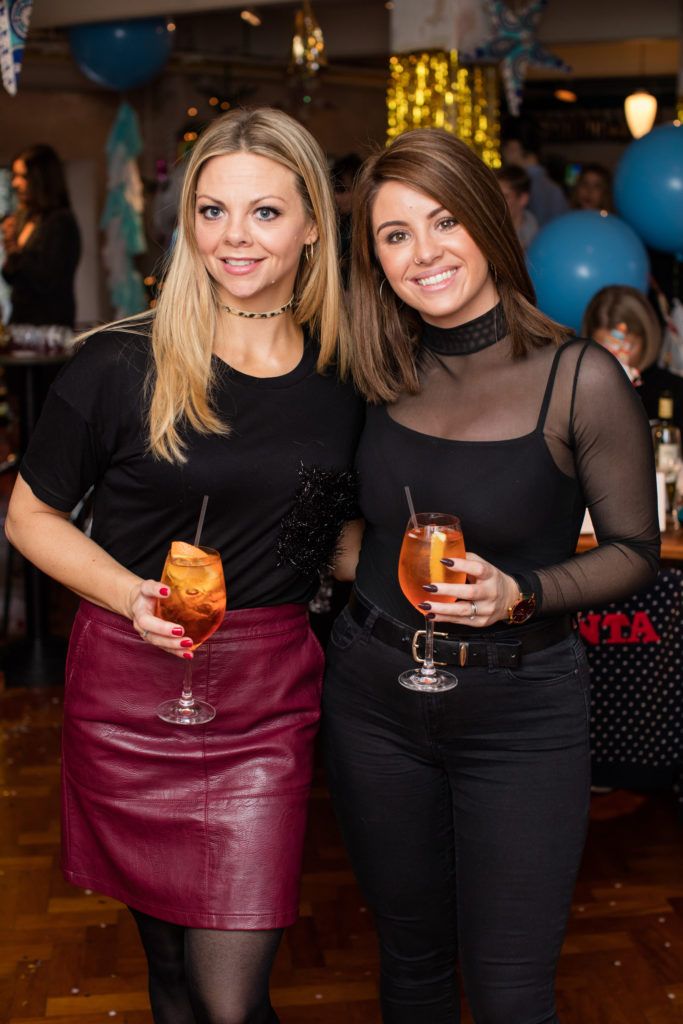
15, 16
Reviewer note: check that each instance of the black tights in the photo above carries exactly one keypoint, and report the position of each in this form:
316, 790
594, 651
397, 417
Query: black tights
201, 976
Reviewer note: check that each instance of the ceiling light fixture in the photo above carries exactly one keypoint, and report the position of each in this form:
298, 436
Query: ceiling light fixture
308, 44
250, 17
640, 109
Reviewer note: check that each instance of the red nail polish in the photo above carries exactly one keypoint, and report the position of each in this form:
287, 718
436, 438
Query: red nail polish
164, 591
177, 631
188, 654
186, 642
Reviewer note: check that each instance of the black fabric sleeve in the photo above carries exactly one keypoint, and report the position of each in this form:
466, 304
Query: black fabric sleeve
93, 405
614, 461
65, 456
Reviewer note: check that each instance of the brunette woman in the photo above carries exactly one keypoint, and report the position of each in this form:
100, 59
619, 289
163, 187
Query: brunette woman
226, 390
623, 319
465, 811
42, 241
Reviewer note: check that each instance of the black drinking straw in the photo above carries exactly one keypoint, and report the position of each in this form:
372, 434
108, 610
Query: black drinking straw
409, 499
200, 524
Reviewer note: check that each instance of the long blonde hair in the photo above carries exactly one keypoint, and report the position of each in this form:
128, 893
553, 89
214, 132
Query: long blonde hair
386, 332
185, 319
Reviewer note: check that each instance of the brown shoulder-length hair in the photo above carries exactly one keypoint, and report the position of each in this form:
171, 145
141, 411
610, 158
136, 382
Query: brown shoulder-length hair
386, 332
619, 303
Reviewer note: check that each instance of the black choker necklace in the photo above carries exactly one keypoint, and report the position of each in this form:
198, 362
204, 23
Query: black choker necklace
259, 316
473, 336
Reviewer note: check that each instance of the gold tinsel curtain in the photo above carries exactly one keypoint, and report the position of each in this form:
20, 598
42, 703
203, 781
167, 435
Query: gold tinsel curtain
433, 90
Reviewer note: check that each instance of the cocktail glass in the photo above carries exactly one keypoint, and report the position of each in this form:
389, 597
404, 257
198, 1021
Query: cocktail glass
197, 602
429, 537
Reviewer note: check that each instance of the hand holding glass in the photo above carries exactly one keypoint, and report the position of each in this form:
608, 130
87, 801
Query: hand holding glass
194, 576
429, 537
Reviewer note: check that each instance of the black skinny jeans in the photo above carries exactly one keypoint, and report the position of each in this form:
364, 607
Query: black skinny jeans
464, 814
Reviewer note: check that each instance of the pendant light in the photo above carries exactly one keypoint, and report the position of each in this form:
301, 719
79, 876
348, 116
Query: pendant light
640, 109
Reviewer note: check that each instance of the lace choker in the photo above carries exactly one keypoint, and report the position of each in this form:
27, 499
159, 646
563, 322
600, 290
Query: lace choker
473, 336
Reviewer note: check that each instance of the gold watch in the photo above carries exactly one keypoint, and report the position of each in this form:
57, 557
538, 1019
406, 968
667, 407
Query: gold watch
522, 609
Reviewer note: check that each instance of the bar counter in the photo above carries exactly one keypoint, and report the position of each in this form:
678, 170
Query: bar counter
672, 545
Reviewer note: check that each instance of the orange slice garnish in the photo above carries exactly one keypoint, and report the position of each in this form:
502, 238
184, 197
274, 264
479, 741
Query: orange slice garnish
437, 551
179, 549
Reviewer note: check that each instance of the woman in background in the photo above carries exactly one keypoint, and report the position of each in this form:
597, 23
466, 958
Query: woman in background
623, 320
42, 241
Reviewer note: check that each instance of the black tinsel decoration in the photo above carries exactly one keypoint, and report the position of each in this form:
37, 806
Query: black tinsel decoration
324, 501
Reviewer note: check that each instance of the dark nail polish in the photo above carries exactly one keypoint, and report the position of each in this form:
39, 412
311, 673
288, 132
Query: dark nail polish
430, 615
177, 631
447, 561
424, 606
164, 591
430, 587
188, 654
186, 642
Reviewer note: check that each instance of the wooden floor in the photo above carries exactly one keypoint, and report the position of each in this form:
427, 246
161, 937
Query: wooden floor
73, 957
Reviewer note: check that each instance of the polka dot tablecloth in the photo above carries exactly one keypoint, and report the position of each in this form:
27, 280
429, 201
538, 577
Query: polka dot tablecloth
634, 649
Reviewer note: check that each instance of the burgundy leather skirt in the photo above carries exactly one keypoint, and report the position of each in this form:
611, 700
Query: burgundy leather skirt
197, 825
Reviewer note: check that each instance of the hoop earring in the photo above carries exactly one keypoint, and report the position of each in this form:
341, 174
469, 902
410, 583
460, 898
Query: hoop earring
309, 249
382, 283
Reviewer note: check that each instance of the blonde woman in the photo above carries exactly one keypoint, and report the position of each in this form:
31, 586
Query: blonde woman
225, 391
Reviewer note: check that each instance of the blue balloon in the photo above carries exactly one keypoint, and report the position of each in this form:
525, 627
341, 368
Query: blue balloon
648, 187
576, 255
121, 54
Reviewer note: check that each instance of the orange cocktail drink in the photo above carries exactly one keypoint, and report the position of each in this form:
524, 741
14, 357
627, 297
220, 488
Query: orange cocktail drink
420, 560
429, 537
194, 576
197, 599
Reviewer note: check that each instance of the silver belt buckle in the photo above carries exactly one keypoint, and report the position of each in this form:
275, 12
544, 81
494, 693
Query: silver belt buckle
416, 639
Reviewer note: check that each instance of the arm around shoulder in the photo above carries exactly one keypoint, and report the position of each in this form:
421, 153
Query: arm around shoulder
348, 550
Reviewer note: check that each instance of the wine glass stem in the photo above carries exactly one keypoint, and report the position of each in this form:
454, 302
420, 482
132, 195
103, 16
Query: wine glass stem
428, 664
186, 699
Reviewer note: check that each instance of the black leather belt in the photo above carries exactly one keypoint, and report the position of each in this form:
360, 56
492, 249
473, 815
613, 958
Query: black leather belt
457, 649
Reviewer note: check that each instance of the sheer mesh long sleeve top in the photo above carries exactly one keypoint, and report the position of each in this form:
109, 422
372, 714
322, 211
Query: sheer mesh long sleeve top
518, 448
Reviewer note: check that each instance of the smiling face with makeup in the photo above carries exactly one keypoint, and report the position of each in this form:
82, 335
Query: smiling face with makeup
428, 258
250, 227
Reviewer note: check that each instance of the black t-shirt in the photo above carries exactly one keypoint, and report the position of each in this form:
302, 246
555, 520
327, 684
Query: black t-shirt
92, 432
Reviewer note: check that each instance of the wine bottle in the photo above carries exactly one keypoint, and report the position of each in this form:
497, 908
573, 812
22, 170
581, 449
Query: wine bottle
666, 438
